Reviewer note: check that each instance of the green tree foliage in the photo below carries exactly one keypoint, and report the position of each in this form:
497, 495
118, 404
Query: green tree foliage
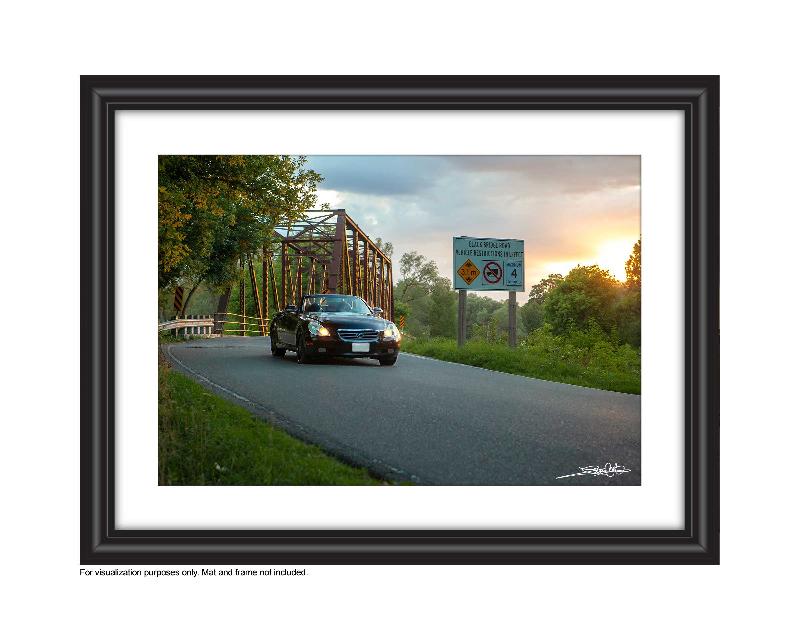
501, 315
386, 247
400, 308
214, 209
628, 315
633, 267
587, 304
531, 313
418, 276
480, 311
442, 310
413, 292
588, 294
487, 331
493, 325
544, 286
425, 298
629, 308
591, 297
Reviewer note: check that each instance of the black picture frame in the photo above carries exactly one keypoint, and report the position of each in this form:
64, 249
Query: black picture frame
101, 542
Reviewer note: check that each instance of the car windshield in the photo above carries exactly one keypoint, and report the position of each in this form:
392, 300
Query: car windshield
335, 304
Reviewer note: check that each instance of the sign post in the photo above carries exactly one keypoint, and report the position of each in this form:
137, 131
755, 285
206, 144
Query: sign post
512, 319
462, 317
488, 264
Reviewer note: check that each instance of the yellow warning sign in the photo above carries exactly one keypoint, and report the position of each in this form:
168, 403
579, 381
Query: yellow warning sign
468, 271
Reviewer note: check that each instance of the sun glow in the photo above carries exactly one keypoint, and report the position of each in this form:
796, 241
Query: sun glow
613, 254
610, 255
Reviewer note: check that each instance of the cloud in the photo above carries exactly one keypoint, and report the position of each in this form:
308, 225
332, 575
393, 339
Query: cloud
378, 175
557, 174
564, 207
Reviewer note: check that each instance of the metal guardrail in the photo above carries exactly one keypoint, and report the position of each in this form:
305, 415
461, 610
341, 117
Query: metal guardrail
190, 325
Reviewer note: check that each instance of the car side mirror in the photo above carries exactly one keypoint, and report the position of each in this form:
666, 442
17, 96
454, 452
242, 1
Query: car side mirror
377, 311
290, 307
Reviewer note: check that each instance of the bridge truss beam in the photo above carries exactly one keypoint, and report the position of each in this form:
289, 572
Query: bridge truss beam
323, 253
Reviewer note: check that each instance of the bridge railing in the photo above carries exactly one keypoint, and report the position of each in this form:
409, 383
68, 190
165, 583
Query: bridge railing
216, 324
190, 325
236, 324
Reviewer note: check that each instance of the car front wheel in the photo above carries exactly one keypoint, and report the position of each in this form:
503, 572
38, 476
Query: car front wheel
302, 354
276, 351
388, 361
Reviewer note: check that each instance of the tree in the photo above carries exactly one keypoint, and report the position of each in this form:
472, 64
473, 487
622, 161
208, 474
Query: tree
479, 310
628, 315
500, 317
418, 276
214, 209
488, 331
532, 315
386, 247
587, 295
532, 312
545, 286
629, 308
442, 309
633, 267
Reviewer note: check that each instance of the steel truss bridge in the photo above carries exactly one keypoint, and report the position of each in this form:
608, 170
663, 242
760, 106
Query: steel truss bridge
324, 253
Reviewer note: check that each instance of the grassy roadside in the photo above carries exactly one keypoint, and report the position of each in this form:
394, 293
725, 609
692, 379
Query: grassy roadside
206, 440
599, 366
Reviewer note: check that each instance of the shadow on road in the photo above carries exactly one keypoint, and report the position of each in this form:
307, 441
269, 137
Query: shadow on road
346, 362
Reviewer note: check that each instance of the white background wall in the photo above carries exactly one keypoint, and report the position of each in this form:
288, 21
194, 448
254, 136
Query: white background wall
45, 46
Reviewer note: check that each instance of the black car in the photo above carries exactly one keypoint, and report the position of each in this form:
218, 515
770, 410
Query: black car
334, 325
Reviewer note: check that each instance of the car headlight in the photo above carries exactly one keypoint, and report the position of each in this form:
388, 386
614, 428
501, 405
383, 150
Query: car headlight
317, 329
392, 331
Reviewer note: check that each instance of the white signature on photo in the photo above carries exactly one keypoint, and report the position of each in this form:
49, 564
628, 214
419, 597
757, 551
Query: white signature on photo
608, 470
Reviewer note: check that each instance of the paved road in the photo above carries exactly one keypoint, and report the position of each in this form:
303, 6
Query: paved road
429, 421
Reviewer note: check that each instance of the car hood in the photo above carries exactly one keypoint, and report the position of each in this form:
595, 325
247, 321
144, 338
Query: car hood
349, 320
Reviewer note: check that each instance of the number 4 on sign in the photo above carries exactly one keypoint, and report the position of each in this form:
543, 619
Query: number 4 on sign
513, 274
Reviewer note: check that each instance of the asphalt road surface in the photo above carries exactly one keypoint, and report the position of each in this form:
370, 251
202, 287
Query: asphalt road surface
429, 421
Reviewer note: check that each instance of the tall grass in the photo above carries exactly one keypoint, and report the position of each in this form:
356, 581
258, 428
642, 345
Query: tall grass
587, 359
206, 440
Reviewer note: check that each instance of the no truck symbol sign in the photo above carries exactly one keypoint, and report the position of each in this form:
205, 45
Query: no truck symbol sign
492, 272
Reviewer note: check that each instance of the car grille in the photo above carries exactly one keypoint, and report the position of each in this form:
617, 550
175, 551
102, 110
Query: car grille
358, 335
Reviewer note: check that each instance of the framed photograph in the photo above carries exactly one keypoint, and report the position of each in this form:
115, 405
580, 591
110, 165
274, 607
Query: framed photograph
400, 320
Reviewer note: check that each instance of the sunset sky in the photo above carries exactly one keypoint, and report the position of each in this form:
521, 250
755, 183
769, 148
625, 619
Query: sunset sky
569, 210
